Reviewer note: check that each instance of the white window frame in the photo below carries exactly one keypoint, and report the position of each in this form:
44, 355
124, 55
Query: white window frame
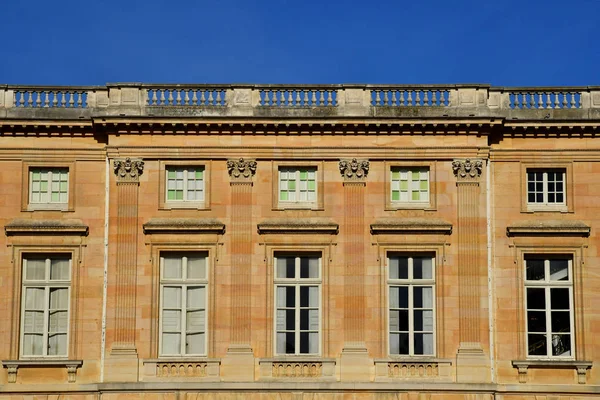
411, 283
185, 169
45, 284
297, 283
184, 283
410, 171
297, 170
545, 203
547, 285
50, 171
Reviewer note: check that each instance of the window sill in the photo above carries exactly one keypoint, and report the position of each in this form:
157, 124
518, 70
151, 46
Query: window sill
297, 367
531, 208
415, 367
181, 368
48, 207
581, 366
299, 206
14, 365
392, 206
185, 205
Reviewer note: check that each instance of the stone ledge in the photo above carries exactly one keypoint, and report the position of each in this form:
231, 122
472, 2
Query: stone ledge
548, 227
46, 226
297, 368
392, 369
14, 365
405, 225
184, 225
524, 365
181, 369
298, 225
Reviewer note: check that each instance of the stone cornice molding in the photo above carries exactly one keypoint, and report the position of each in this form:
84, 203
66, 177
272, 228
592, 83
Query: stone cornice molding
128, 170
354, 170
241, 170
548, 227
298, 225
467, 170
411, 225
184, 225
46, 227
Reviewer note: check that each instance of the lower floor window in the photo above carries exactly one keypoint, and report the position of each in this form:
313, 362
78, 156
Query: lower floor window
45, 305
297, 299
411, 304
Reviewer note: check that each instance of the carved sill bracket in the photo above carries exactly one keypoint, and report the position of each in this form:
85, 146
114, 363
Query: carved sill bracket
524, 365
13, 367
181, 369
425, 369
321, 369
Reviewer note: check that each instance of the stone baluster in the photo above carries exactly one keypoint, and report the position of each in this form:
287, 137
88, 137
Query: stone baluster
471, 361
354, 354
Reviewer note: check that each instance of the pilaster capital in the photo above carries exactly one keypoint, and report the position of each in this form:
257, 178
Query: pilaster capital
467, 170
128, 170
354, 170
241, 170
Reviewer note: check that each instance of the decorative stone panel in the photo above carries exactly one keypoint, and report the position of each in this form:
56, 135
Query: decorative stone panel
13, 367
524, 365
354, 170
241, 170
276, 369
172, 369
391, 370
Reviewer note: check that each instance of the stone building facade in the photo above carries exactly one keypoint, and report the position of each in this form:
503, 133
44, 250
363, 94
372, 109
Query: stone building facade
299, 242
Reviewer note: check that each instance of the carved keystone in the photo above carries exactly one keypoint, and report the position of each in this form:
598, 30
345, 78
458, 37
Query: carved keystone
128, 170
241, 170
354, 170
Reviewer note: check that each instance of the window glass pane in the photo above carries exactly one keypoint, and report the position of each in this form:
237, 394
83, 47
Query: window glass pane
196, 297
281, 298
196, 267
559, 270
58, 322
172, 267
281, 342
423, 320
394, 320
33, 322
33, 345
195, 343
309, 267
290, 296
195, 321
290, 344
280, 320
171, 321
171, 343
35, 269
536, 321
57, 344
34, 298
171, 297
561, 321
394, 343
398, 267
59, 298
290, 319
537, 345
559, 299
561, 345
59, 269
535, 269
422, 297
536, 298
308, 342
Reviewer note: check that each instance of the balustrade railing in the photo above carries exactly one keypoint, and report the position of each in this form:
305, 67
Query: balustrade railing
186, 96
544, 98
410, 97
297, 97
50, 98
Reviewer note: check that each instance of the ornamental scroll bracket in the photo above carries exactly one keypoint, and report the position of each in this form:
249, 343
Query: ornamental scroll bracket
241, 170
467, 170
128, 170
354, 170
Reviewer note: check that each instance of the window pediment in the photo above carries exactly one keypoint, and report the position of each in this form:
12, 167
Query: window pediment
184, 225
548, 227
298, 225
414, 225
46, 227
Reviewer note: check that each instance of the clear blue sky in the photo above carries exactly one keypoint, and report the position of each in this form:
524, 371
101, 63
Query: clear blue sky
501, 42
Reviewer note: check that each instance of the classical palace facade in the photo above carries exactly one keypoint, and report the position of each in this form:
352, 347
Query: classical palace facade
299, 242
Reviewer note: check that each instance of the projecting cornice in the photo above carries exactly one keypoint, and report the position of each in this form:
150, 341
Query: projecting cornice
548, 227
184, 225
411, 225
298, 225
46, 227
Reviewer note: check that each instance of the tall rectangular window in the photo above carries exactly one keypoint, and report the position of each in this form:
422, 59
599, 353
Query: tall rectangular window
549, 305
185, 184
546, 187
298, 185
183, 297
298, 303
48, 185
410, 185
45, 305
411, 284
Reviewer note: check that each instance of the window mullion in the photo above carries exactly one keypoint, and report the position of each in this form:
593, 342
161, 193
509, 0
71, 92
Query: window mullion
411, 331
46, 322
548, 323
183, 346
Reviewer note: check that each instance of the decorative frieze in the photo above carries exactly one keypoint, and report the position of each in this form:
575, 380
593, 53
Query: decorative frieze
321, 369
354, 170
180, 369
128, 170
387, 370
241, 170
467, 170
297, 369
412, 370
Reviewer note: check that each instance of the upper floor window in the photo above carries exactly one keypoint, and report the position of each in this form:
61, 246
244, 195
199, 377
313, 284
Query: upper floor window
410, 185
45, 305
185, 184
298, 185
48, 186
297, 303
183, 297
549, 305
411, 285
546, 187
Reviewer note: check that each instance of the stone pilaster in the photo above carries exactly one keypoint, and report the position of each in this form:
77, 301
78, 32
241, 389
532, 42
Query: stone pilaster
471, 362
238, 364
355, 362
122, 364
